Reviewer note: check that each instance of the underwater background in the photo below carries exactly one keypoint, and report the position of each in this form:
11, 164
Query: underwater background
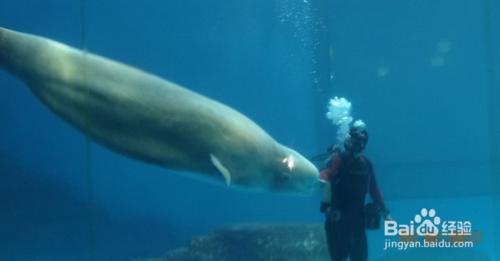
423, 75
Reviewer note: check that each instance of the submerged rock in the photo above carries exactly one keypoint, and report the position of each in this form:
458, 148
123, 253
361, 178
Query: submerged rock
294, 242
253, 242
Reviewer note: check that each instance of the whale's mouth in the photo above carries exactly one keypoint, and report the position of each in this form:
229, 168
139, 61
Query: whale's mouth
294, 183
310, 186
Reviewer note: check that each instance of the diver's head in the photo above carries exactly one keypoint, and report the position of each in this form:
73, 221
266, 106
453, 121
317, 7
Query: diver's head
294, 174
357, 140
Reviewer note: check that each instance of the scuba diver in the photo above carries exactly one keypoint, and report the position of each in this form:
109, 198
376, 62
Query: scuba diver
346, 179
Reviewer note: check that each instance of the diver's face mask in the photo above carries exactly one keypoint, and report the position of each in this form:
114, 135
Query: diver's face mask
356, 143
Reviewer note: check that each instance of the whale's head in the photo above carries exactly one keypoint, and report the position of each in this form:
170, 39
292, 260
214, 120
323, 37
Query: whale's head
293, 173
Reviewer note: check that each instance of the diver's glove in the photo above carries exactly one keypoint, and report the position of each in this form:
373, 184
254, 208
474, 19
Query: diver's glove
386, 214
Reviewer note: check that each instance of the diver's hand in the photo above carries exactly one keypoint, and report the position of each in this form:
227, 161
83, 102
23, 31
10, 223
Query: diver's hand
333, 214
324, 208
386, 214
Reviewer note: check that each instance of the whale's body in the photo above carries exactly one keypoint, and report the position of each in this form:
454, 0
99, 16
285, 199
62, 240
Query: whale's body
151, 119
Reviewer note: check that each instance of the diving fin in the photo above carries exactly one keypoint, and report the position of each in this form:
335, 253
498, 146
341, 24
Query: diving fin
223, 170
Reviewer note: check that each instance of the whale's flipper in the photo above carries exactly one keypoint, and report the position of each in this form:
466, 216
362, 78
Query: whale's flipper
223, 170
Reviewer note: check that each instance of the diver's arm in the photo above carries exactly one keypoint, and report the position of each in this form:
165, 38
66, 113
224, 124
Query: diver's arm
325, 196
376, 195
375, 191
326, 193
326, 175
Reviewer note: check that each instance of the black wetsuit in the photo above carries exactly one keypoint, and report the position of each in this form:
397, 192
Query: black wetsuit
350, 179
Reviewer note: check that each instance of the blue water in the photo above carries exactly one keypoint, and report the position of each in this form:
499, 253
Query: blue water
415, 71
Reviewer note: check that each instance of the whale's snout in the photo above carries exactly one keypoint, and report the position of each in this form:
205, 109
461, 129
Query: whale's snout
306, 176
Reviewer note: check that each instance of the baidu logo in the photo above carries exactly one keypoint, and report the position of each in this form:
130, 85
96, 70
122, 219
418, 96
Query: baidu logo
428, 230
425, 223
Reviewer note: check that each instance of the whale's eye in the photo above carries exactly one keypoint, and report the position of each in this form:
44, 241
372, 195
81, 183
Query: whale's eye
289, 161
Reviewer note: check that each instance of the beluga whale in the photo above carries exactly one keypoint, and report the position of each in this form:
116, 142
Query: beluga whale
151, 119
